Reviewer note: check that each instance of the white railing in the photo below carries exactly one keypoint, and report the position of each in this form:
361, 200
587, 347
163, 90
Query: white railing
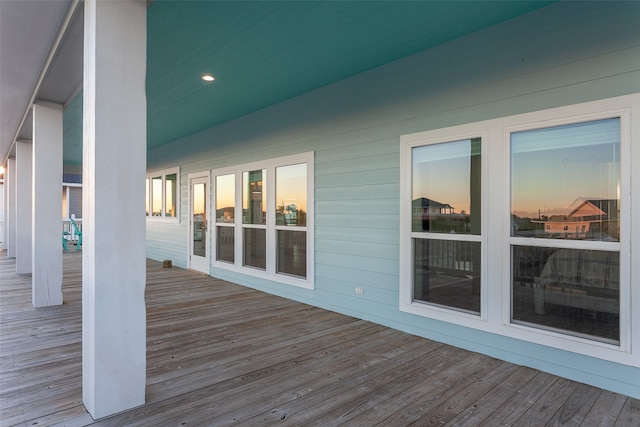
69, 232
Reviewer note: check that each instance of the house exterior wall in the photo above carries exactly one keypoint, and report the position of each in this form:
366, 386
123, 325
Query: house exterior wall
564, 54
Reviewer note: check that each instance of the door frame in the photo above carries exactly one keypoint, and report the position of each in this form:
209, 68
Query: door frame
203, 266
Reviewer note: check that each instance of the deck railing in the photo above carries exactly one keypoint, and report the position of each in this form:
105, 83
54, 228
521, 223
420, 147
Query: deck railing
69, 232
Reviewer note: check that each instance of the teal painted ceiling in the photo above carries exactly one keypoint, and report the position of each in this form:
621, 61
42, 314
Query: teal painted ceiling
265, 52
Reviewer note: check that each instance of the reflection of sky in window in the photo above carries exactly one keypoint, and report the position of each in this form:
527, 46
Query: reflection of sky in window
170, 194
551, 168
156, 192
199, 207
291, 186
147, 196
225, 191
441, 172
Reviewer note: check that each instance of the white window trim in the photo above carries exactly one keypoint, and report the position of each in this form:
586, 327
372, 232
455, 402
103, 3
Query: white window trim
270, 271
496, 288
407, 304
163, 173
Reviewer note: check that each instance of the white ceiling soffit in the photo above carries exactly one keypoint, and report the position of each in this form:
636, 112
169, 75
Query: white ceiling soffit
40, 59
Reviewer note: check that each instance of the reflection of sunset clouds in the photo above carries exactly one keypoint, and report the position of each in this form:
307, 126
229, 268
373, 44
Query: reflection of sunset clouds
553, 169
446, 187
199, 207
225, 191
291, 185
442, 172
156, 195
547, 211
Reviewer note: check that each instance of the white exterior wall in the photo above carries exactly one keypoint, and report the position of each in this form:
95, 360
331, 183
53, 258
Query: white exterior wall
564, 54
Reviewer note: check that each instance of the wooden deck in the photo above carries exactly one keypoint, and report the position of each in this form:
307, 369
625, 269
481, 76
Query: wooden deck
221, 354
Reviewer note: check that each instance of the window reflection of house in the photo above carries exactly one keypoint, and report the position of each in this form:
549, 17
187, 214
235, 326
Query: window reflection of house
290, 214
225, 214
198, 221
592, 219
430, 215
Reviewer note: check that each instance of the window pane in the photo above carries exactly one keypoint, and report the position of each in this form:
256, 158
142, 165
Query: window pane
255, 243
225, 198
292, 252
171, 191
446, 187
447, 273
146, 198
75, 202
156, 196
199, 209
225, 244
291, 195
568, 290
254, 197
565, 181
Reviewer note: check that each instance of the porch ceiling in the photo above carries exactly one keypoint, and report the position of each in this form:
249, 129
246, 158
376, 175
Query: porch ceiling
261, 53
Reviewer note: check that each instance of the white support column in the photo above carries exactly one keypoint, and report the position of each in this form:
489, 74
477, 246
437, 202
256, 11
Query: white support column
24, 161
3, 209
47, 205
10, 207
114, 169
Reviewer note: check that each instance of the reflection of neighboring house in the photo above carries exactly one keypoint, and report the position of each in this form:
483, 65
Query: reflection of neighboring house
287, 214
429, 215
225, 214
592, 218
427, 207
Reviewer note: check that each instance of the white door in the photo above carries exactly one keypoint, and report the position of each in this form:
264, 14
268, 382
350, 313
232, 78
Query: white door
199, 239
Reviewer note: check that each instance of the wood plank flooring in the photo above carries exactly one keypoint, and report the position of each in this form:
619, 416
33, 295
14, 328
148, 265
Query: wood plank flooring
220, 354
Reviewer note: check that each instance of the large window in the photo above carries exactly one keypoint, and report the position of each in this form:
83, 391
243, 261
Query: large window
565, 189
291, 220
263, 219
446, 224
522, 226
254, 218
162, 194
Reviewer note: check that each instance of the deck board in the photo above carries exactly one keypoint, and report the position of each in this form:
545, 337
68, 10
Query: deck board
220, 354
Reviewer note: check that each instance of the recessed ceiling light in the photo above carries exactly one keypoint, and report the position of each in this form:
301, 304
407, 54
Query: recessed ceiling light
208, 77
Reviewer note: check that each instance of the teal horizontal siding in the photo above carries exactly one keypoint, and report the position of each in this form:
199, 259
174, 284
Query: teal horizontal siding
357, 178
358, 277
343, 232
362, 206
360, 192
349, 246
359, 262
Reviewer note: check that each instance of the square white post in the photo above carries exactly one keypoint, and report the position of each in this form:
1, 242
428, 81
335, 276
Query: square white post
113, 214
47, 205
23, 206
10, 207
